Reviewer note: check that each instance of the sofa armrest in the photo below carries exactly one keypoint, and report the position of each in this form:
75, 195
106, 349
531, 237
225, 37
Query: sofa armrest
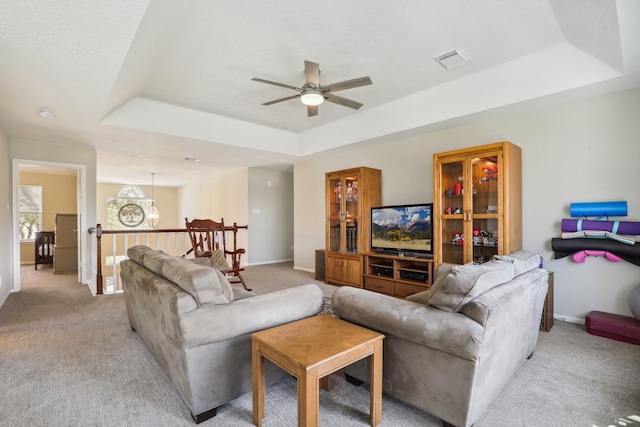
453, 333
210, 324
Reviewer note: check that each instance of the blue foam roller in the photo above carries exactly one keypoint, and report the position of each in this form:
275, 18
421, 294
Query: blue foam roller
599, 209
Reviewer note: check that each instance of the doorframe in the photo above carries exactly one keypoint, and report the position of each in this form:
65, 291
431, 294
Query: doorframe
81, 178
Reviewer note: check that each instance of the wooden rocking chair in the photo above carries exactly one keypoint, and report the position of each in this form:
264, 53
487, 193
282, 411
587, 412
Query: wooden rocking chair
208, 240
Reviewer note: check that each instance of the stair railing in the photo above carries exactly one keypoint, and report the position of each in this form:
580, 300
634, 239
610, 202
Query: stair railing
174, 241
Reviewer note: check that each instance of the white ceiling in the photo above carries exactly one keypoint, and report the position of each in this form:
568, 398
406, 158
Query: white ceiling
149, 82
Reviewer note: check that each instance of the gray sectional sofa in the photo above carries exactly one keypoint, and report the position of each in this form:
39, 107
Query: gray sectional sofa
197, 326
450, 350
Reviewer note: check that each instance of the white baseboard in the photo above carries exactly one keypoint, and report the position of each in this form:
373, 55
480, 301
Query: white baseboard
308, 270
569, 319
278, 261
6, 297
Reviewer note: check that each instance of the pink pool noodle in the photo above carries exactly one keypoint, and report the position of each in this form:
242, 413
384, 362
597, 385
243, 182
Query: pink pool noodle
581, 256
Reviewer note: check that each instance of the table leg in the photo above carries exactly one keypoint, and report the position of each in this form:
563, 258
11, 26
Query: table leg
257, 383
308, 400
325, 383
376, 384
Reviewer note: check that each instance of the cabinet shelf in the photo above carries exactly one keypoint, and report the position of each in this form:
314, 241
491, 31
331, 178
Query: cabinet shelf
417, 269
395, 275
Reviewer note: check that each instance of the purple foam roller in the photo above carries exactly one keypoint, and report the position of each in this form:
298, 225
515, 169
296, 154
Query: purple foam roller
617, 227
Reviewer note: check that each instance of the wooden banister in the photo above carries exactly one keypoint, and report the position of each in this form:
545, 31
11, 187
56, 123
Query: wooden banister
99, 232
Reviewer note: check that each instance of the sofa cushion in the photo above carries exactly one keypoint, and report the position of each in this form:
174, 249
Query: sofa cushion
425, 296
465, 282
201, 261
443, 269
206, 285
154, 259
136, 253
225, 286
522, 261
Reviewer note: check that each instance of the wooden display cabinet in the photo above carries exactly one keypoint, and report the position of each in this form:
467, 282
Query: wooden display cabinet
350, 194
477, 190
546, 323
65, 253
397, 275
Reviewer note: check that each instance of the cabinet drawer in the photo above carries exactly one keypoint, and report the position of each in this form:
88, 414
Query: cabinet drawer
65, 260
378, 285
403, 290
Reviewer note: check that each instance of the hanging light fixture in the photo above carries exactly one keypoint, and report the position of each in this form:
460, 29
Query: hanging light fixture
153, 214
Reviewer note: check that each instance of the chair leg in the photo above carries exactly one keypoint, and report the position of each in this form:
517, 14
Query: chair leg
242, 281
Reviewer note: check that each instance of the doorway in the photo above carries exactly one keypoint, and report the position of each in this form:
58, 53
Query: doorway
39, 167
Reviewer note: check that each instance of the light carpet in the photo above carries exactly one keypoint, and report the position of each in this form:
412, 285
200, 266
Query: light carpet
70, 359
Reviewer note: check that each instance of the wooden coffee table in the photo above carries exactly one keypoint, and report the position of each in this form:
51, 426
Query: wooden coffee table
311, 349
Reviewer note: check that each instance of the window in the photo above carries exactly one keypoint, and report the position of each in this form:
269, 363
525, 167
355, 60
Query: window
30, 211
128, 210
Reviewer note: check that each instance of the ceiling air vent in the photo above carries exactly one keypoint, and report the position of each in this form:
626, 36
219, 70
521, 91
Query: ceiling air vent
452, 59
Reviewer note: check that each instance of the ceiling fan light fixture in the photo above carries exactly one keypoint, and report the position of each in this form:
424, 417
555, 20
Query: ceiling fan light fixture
312, 97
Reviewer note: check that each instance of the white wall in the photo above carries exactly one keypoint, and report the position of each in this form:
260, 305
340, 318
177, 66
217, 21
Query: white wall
224, 196
6, 255
165, 198
576, 152
233, 195
270, 216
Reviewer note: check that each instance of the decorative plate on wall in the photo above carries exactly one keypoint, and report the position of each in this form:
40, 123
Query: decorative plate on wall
131, 215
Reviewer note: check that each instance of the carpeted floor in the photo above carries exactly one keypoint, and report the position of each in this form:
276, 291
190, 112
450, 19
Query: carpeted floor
70, 359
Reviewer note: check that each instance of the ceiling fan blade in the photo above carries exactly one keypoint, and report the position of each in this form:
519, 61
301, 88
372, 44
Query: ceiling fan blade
282, 99
342, 101
269, 82
312, 110
348, 84
312, 73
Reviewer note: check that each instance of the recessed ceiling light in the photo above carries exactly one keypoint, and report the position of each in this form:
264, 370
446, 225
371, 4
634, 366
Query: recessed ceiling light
47, 112
192, 159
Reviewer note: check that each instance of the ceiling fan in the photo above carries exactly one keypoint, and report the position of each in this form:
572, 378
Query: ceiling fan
313, 94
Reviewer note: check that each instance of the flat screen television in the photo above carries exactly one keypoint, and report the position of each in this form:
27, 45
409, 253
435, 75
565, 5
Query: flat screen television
402, 229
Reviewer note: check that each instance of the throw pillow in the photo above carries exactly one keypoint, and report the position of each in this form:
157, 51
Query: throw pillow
219, 260
206, 285
426, 296
465, 282
522, 261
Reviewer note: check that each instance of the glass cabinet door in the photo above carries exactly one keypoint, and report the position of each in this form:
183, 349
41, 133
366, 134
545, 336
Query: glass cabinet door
485, 201
452, 238
335, 215
343, 215
351, 215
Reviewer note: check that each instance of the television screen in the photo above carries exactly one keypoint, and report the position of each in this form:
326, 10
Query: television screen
402, 228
